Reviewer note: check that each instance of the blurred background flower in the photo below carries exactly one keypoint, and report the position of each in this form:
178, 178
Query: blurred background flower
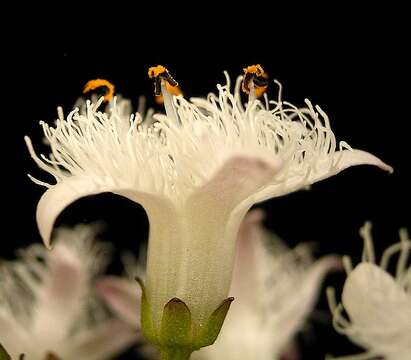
377, 303
275, 290
47, 303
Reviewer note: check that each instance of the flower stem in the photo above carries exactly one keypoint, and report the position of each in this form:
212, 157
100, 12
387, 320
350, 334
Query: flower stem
169, 353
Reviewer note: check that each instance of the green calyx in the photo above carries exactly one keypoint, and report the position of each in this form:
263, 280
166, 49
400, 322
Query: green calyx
175, 337
175, 353
209, 333
4, 354
146, 319
175, 330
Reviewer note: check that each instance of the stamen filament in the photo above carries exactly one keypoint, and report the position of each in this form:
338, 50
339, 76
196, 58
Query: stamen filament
169, 106
368, 253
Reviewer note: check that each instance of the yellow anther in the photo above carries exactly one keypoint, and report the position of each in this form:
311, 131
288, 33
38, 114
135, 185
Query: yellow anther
256, 75
254, 69
97, 83
156, 71
160, 73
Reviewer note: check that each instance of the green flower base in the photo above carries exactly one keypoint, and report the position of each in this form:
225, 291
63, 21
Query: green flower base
175, 337
175, 354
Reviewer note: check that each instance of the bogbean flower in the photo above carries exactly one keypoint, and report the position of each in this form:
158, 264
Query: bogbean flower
196, 171
47, 309
275, 290
378, 304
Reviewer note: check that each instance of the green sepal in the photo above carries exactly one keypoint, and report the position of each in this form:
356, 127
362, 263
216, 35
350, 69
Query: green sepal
175, 353
146, 317
4, 355
175, 330
211, 329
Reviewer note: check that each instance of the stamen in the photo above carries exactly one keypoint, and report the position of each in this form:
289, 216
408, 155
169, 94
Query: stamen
347, 263
255, 81
165, 87
331, 298
173, 90
97, 83
404, 254
368, 253
387, 255
300, 136
60, 113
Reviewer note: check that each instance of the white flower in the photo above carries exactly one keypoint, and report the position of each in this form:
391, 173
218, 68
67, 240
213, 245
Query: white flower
275, 290
378, 304
196, 172
46, 305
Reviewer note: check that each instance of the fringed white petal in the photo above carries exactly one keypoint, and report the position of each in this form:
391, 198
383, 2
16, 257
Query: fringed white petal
70, 265
378, 304
299, 303
61, 296
326, 168
249, 251
58, 197
370, 295
61, 195
123, 296
379, 310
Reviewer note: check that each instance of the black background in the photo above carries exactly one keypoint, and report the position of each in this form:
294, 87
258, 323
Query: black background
352, 62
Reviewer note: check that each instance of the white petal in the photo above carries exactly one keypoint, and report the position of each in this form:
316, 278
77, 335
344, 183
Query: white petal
123, 296
242, 337
371, 295
57, 198
360, 157
300, 302
343, 160
61, 294
238, 178
244, 286
105, 342
379, 309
